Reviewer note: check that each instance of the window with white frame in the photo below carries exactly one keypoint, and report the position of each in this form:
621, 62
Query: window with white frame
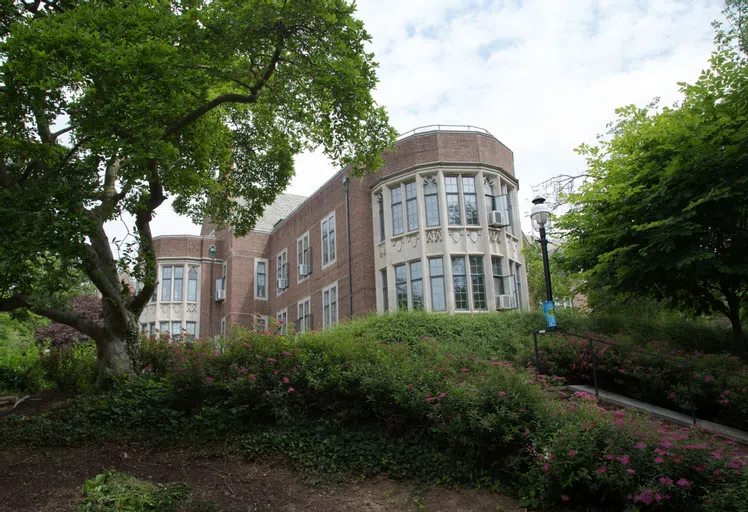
303, 257
163, 327
510, 209
261, 278
281, 271
143, 328
459, 281
192, 283
470, 200
190, 329
478, 282
178, 283
281, 321
469, 270
166, 272
380, 205
491, 199
416, 284
431, 201
328, 240
518, 275
152, 328
498, 276
304, 315
438, 293
261, 323
411, 205
330, 306
176, 330
462, 198
401, 287
396, 202
452, 189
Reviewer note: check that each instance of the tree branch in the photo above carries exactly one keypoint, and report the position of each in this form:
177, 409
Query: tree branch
230, 97
60, 132
87, 327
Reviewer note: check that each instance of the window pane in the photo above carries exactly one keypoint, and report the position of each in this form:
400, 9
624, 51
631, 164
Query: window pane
385, 290
459, 278
412, 205
178, 283
432, 210
478, 281
192, 284
450, 184
334, 305
176, 329
498, 280
163, 327
380, 202
438, 295
471, 200
510, 211
416, 284
401, 287
397, 210
325, 253
261, 279
518, 279
191, 328
166, 283
332, 237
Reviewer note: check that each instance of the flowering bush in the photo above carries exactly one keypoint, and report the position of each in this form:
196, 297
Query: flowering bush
612, 458
71, 367
719, 383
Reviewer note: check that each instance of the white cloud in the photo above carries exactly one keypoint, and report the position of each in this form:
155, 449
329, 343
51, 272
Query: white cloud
543, 76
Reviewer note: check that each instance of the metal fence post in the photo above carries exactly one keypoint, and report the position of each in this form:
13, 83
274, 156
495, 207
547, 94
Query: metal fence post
594, 369
690, 396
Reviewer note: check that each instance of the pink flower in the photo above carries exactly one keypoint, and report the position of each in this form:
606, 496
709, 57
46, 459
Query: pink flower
546, 467
658, 497
625, 459
242, 371
271, 360
179, 390
659, 460
531, 381
708, 378
572, 453
629, 470
291, 390
501, 393
276, 372
639, 446
619, 414
465, 370
717, 472
209, 379
442, 395
430, 398
267, 391
285, 380
683, 483
564, 497
666, 481
252, 378
666, 444
601, 470
494, 363
610, 456
286, 353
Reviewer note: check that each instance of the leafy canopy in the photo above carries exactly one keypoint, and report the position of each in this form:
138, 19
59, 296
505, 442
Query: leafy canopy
666, 210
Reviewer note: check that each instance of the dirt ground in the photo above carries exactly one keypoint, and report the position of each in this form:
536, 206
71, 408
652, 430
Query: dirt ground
51, 479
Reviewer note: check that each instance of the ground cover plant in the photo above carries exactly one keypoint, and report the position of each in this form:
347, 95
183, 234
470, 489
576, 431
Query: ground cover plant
401, 395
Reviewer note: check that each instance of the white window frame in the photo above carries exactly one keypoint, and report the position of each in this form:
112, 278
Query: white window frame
161, 283
326, 290
197, 284
326, 219
260, 320
254, 281
281, 319
303, 301
187, 335
301, 279
279, 256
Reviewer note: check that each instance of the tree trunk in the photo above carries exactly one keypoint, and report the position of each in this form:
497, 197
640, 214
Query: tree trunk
738, 346
118, 350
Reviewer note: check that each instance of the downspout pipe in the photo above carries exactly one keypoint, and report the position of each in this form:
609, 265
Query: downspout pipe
347, 185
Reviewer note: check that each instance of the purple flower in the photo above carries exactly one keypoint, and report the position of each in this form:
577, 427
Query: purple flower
564, 497
601, 470
640, 445
209, 380
683, 483
285, 380
546, 467
572, 453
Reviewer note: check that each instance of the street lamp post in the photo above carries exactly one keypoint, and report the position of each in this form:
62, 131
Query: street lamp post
540, 215
212, 253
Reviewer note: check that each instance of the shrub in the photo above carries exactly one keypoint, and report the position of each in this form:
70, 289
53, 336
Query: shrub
21, 370
609, 459
718, 383
72, 367
115, 491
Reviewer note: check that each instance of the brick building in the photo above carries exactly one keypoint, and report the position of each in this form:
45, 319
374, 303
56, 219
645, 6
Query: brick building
435, 228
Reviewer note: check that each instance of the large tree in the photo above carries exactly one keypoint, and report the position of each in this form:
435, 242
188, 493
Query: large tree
665, 212
109, 107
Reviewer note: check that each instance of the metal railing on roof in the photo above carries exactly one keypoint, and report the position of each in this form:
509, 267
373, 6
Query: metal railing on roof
443, 127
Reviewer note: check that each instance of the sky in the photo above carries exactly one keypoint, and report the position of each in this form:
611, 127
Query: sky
543, 76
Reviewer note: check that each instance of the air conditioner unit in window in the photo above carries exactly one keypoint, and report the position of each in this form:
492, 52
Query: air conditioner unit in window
282, 283
496, 219
506, 302
220, 294
304, 270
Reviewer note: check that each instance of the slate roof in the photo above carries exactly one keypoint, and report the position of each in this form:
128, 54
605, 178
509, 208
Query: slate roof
282, 208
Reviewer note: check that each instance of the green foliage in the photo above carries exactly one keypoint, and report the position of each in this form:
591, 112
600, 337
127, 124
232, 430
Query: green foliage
115, 491
718, 382
666, 210
21, 369
564, 283
72, 367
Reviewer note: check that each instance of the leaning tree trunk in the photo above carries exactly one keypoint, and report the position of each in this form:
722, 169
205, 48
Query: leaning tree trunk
118, 349
738, 336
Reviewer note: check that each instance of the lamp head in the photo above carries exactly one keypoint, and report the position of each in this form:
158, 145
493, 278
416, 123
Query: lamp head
540, 213
212, 251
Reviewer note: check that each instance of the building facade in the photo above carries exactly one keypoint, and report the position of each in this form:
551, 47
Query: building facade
436, 228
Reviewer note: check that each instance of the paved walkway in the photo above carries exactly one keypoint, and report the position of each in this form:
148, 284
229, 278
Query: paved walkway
666, 414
